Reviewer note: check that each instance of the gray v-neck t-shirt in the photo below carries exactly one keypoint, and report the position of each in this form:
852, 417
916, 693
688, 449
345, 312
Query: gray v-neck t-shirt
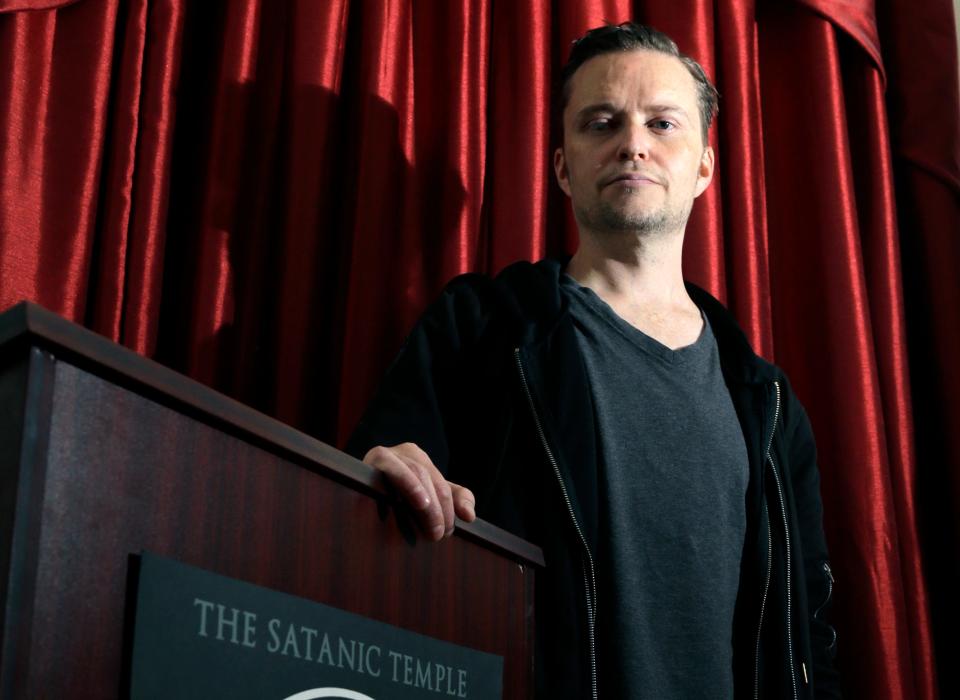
673, 484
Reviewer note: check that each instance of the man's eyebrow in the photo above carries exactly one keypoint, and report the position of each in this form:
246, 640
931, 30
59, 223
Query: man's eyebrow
660, 109
597, 107
665, 108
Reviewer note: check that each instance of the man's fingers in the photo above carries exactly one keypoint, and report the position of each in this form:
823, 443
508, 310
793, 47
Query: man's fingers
436, 502
414, 484
431, 518
405, 480
464, 503
445, 497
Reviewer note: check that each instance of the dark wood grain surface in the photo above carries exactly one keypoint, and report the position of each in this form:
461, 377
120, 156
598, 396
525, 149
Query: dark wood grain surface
119, 463
30, 324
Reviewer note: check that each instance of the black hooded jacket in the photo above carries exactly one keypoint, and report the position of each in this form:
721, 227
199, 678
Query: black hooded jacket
492, 386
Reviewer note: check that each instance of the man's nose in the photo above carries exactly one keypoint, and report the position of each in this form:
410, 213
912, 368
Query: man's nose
635, 144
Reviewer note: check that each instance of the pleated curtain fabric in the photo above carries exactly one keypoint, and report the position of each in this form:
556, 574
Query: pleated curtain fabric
265, 195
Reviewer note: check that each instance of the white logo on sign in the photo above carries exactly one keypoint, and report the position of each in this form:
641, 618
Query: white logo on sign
329, 693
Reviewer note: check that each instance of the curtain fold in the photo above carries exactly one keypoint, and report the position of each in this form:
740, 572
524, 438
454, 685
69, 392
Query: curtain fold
15, 5
857, 18
126, 277
832, 212
919, 42
746, 239
265, 196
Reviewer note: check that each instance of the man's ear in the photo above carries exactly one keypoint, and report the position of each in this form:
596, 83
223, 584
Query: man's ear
704, 170
560, 168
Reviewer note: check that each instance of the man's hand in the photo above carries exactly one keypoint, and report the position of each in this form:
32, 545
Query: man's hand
434, 499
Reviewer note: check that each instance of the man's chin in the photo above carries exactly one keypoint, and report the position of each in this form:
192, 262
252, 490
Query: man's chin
624, 221
628, 219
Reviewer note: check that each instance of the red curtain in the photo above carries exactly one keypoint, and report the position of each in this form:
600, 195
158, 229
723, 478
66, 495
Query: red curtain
265, 195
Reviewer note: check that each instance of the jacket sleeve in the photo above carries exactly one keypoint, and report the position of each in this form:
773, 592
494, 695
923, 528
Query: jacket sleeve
818, 576
411, 402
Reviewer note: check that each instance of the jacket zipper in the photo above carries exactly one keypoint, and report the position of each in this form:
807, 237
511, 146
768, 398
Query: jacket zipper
786, 536
589, 577
763, 603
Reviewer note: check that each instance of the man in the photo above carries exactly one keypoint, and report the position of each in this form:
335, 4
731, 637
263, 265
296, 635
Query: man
617, 417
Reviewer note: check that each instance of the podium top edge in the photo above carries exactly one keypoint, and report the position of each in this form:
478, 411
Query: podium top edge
29, 324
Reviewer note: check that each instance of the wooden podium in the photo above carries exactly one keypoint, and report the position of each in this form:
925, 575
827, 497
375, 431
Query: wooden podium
104, 453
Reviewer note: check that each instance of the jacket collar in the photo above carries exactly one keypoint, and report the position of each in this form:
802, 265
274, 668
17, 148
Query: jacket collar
737, 359
532, 293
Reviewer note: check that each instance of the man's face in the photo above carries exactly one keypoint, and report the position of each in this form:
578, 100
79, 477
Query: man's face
632, 156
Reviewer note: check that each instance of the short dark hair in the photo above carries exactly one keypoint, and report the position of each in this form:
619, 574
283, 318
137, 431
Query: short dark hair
635, 37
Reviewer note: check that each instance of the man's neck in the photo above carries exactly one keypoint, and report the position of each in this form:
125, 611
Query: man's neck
641, 278
646, 270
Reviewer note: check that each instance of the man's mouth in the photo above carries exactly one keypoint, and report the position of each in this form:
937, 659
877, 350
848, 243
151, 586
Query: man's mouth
633, 178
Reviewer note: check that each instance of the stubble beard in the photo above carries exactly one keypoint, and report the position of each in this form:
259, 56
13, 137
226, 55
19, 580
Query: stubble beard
605, 218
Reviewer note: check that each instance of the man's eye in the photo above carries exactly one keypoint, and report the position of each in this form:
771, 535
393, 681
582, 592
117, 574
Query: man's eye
662, 125
597, 124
